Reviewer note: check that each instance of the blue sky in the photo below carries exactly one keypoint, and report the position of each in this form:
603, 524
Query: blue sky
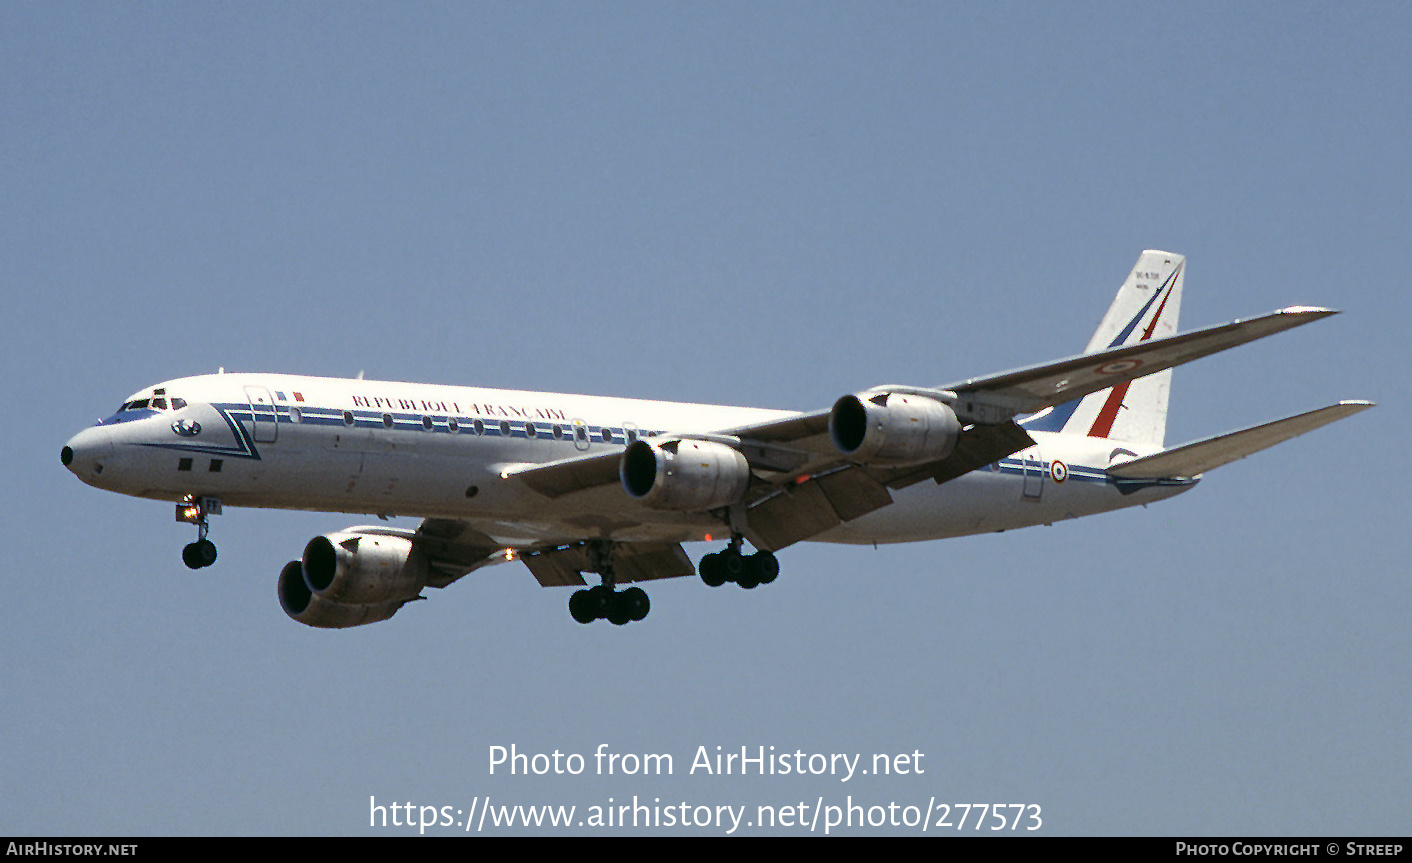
757, 204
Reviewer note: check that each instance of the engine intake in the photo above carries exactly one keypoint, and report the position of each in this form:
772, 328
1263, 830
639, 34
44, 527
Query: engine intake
349, 579
684, 474
893, 429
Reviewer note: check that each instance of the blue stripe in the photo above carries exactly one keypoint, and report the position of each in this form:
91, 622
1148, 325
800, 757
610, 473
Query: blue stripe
1059, 415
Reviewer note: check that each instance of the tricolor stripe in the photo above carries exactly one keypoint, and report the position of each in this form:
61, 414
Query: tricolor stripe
1108, 414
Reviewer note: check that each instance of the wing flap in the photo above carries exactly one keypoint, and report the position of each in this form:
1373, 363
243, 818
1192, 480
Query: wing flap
1197, 457
806, 509
453, 548
632, 561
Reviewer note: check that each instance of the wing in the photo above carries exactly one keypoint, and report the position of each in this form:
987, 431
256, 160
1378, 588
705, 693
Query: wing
803, 485
995, 398
799, 445
455, 548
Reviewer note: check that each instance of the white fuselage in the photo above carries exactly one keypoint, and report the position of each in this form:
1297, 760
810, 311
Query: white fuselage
355, 446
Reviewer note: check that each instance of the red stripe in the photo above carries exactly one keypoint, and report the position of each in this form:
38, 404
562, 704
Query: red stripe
1109, 414
1104, 424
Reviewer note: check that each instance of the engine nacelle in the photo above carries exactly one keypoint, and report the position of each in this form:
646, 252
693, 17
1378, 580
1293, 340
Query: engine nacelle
307, 607
684, 474
893, 429
348, 579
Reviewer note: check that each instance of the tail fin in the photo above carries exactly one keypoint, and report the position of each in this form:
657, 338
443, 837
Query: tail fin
1146, 307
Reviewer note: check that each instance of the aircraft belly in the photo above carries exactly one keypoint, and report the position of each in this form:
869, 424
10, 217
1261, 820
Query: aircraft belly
987, 500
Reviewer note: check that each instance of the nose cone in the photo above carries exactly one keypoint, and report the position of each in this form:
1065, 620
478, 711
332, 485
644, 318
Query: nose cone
85, 452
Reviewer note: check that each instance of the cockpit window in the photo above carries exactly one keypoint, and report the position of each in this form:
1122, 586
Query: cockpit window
157, 404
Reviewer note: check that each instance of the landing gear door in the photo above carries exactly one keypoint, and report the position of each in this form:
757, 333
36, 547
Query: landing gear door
262, 414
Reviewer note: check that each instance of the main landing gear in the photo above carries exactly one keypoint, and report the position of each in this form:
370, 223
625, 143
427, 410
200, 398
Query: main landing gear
746, 570
202, 552
593, 603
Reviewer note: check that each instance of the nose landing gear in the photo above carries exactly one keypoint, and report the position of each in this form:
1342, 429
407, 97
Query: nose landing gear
193, 510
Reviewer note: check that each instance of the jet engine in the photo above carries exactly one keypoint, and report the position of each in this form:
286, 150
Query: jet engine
349, 579
684, 474
893, 429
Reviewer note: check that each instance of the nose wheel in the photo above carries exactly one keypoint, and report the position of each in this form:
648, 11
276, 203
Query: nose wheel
202, 552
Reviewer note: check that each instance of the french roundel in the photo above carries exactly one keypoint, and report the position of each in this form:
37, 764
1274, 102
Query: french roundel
1058, 471
1118, 366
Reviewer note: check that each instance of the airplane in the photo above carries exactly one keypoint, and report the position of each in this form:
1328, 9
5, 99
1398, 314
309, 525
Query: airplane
575, 484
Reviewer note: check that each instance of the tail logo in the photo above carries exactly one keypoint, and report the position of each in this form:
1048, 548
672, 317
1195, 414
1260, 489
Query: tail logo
1103, 425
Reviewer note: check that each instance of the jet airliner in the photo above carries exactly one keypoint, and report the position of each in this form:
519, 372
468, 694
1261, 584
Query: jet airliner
573, 485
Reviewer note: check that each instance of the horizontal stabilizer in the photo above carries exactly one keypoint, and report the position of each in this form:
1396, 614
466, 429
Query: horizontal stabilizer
1195, 458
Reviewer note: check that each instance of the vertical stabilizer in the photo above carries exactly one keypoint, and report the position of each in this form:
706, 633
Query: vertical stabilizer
1146, 308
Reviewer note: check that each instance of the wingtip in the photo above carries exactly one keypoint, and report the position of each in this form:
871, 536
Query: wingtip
1308, 311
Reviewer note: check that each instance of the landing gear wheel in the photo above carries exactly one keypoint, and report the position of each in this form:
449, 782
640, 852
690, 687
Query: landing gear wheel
729, 564
637, 602
733, 564
619, 609
600, 599
193, 510
199, 554
603, 600
765, 565
713, 571
581, 607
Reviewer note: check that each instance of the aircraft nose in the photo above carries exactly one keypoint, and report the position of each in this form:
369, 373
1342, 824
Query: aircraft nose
85, 452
